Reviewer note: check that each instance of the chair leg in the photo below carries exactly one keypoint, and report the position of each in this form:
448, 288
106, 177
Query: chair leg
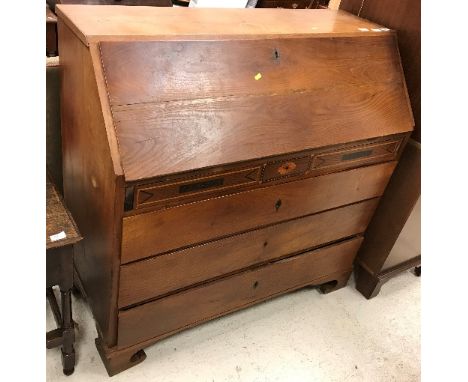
68, 350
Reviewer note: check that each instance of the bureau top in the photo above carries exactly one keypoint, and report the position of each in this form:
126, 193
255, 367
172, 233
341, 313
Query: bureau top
188, 89
97, 23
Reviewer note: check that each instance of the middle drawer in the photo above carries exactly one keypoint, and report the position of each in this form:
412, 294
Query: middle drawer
153, 277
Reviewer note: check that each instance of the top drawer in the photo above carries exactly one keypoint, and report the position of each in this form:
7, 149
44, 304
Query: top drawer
209, 183
157, 232
199, 187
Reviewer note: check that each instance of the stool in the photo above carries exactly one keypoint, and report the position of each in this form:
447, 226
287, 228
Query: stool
62, 238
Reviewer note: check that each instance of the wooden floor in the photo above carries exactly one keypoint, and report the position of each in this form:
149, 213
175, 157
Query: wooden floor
304, 336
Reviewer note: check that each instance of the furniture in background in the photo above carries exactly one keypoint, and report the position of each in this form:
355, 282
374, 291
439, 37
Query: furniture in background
392, 242
51, 33
53, 131
294, 4
149, 3
243, 168
62, 237
181, 3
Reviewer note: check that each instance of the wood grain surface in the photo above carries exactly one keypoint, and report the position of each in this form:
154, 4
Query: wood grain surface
113, 23
184, 70
213, 107
206, 133
404, 17
93, 190
59, 220
156, 232
212, 300
169, 99
202, 184
146, 279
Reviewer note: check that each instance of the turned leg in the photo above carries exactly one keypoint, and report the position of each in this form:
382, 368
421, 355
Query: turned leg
119, 360
339, 282
68, 334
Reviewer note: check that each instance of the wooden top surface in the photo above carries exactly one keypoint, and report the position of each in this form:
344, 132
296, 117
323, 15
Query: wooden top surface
96, 23
184, 105
58, 221
268, 82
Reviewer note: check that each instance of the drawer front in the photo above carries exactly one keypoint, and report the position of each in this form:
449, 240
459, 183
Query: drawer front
162, 274
357, 155
176, 312
158, 232
178, 191
286, 168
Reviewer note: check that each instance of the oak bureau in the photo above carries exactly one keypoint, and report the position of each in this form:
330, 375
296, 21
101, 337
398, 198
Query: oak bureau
216, 158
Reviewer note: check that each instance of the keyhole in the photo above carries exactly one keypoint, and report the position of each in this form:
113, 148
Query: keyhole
255, 284
265, 243
277, 55
278, 204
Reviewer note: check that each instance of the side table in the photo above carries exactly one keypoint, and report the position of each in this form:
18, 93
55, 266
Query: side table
62, 238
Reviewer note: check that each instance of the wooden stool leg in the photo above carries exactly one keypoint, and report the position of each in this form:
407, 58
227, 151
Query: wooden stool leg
68, 350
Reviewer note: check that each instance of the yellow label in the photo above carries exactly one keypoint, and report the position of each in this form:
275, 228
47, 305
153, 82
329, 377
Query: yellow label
258, 76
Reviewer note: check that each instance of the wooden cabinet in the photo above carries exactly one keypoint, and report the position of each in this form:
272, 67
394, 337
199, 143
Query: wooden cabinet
391, 246
215, 165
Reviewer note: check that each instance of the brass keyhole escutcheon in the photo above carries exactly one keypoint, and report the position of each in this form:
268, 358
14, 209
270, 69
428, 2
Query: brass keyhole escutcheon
278, 204
286, 168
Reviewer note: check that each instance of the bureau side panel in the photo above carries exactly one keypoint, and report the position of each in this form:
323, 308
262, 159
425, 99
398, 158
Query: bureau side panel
92, 190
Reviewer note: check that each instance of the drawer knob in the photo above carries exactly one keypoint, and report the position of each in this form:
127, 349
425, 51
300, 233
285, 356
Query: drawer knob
286, 168
278, 204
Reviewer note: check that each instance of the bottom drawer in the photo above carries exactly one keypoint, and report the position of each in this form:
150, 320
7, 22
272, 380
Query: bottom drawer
185, 309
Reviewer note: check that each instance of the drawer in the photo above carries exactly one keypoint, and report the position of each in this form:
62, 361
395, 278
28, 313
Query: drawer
182, 310
358, 155
162, 231
286, 168
181, 190
159, 275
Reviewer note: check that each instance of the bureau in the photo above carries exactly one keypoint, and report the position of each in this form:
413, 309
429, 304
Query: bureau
214, 159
